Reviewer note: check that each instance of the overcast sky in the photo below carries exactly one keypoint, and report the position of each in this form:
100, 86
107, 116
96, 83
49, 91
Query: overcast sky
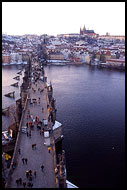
54, 18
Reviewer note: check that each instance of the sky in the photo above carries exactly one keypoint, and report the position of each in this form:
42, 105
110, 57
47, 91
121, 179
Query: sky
52, 18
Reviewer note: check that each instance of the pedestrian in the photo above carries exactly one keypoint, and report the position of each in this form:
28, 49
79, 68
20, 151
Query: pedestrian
40, 122
31, 185
49, 149
28, 111
28, 184
37, 123
49, 118
19, 151
13, 165
56, 170
30, 177
27, 134
30, 134
32, 126
27, 124
40, 132
30, 172
17, 181
20, 181
34, 173
42, 167
23, 160
27, 173
26, 160
24, 184
33, 146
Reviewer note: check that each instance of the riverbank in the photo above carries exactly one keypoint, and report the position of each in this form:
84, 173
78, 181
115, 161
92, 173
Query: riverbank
99, 65
15, 63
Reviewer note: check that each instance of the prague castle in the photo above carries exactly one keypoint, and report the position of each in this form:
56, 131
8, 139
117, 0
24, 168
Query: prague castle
87, 32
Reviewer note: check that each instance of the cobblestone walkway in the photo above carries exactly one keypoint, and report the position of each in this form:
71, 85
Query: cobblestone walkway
39, 156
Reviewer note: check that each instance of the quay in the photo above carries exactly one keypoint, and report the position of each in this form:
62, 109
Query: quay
38, 105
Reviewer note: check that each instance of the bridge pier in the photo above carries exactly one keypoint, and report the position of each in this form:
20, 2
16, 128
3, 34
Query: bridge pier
17, 78
11, 94
15, 84
19, 73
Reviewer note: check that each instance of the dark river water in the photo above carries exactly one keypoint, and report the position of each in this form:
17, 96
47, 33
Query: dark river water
8, 73
90, 104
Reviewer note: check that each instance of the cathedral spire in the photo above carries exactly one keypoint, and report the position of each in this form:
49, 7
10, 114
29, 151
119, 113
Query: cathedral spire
84, 29
80, 31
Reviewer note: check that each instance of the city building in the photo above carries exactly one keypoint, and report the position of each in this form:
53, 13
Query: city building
16, 57
111, 37
116, 62
58, 56
6, 58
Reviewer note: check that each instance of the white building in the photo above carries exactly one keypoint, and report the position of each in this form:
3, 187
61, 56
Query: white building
16, 57
85, 58
66, 53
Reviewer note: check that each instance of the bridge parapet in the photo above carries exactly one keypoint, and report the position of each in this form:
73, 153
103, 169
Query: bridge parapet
17, 145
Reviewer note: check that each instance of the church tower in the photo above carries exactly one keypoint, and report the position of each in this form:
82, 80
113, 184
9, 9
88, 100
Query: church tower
84, 29
80, 31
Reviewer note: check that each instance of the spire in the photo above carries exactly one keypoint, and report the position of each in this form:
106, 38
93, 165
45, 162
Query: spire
80, 31
84, 29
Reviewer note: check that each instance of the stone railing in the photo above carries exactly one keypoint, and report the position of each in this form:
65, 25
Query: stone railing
61, 170
52, 144
54, 161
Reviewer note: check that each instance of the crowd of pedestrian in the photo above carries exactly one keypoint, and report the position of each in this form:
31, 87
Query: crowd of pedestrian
19, 182
31, 124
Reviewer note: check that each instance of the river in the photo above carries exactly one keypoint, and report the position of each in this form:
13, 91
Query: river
90, 104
